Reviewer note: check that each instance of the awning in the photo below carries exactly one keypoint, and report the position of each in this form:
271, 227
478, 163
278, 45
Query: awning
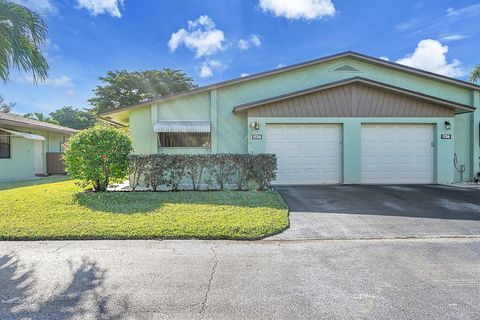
29, 136
182, 126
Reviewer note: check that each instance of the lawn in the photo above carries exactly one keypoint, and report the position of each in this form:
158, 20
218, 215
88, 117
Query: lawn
62, 210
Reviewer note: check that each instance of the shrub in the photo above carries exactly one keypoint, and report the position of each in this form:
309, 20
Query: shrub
98, 155
138, 166
262, 169
195, 165
245, 170
157, 167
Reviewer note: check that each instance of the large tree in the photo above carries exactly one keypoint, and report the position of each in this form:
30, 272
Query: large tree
123, 88
73, 118
22, 34
475, 74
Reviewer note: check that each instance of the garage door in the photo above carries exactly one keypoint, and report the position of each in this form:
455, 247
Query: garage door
397, 154
306, 154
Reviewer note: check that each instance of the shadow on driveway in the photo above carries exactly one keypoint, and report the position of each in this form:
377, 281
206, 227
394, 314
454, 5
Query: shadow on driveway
373, 211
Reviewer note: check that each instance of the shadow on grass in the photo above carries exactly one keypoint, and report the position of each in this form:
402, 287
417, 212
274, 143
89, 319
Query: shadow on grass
86, 286
143, 202
32, 182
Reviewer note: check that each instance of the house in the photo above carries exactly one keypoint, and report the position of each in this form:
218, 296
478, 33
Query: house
346, 118
30, 147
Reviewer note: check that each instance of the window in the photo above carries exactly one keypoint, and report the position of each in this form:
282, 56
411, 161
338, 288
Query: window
184, 140
4, 145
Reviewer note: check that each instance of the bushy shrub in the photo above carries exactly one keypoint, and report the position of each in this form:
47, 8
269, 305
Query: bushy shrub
98, 155
241, 169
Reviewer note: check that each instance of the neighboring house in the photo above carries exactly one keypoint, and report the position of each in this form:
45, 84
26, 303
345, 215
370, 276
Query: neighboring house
346, 118
30, 147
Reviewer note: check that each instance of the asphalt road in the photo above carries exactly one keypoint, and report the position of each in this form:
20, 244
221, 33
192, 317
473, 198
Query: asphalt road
326, 279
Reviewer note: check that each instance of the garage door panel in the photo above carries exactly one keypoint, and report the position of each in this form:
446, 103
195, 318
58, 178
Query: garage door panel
397, 153
306, 154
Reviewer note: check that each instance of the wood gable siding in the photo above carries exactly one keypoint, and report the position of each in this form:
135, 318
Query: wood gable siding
351, 100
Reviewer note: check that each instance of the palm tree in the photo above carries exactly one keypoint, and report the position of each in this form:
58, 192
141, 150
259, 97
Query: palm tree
40, 117
22, 34
475, 74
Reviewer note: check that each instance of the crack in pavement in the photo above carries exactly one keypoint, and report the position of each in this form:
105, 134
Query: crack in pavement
212, 273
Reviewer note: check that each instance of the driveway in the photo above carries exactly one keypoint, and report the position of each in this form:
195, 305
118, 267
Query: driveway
380, 212
359, 279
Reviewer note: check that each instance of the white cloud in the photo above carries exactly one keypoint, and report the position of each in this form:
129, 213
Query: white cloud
454, 37
299, 9
39, 6
97, 7
252, 40
406, 25
469, 11
207, 68
244, 75
202, 37
60, 81
431, 55
384, 58
280, 65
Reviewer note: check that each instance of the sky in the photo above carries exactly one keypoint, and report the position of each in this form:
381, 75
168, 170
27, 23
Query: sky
217, 40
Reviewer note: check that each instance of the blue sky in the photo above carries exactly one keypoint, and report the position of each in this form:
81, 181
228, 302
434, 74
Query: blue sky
216, 40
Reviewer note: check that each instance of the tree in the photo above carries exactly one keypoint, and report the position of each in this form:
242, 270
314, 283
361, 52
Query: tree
123, 88
40, 117
475, 74
22, 34
6, 107
73, 118
98, 155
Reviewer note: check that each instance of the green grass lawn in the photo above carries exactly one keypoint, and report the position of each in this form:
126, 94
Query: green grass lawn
61, 210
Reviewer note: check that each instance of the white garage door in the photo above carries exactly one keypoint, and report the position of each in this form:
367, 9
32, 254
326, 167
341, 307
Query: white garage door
397, 154
306, 154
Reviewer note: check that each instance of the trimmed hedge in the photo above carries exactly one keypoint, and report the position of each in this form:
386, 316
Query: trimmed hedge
245, 171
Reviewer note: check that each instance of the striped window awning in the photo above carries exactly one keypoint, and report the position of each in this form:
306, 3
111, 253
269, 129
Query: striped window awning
26, 135
182, 126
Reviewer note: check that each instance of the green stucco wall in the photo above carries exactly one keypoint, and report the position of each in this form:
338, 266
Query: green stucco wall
230, 131
21, 165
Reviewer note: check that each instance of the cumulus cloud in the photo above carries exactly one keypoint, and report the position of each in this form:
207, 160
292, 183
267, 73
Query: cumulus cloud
252, 41
244, 74
384, 58
299, 9
431, 55
202, 37
208, 66
97, 7
39, 6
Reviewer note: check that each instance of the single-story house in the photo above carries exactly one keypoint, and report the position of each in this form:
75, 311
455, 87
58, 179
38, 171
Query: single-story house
30, 148
346, 118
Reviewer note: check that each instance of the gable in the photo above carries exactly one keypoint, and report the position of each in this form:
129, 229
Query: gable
355, 97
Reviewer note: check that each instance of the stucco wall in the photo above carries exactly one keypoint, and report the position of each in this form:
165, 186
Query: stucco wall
21, 165
230, 131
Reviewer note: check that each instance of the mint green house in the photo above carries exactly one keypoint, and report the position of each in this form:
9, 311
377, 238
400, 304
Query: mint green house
346, 118
30, 148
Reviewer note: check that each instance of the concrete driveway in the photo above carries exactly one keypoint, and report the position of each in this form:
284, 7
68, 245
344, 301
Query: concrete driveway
380, 212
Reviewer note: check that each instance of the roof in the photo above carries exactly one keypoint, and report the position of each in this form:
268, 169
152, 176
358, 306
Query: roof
377, 84
346, 54
18, 120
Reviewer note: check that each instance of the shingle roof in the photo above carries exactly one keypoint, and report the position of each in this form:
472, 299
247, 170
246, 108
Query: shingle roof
19, 120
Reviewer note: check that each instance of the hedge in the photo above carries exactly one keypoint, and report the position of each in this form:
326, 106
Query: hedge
216, 171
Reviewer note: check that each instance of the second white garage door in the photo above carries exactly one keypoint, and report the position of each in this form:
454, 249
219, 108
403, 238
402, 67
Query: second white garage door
306, 154
397, 154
